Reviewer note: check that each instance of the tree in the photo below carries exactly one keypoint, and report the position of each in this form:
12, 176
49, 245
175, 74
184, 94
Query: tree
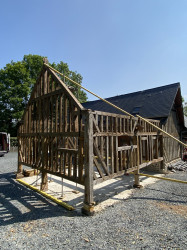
14, 93
64, 69
185, 108
16, 83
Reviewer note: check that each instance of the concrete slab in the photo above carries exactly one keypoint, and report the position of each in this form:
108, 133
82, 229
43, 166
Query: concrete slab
105, 194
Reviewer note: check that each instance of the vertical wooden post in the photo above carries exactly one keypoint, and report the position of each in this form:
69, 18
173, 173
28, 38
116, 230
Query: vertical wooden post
107, 145
20, 167
136, 172
163, 163
44, 182
116, 165
88, 207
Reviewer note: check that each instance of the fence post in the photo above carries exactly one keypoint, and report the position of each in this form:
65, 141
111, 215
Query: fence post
136, 172
19, 173
88, 207
44, 182
163, 163
44, 179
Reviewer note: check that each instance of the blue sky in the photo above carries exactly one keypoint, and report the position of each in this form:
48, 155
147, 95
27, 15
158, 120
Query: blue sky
118, 46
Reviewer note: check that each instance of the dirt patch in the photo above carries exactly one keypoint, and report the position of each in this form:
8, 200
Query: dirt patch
177, 209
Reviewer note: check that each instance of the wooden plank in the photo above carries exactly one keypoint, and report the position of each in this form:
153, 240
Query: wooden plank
151, 148
96, 134
45, 134
75, 166
75, 114
56, 155
112, 154
52, 153
106, 123
120, 125
60, 113
94, 176
48, 115
56, 114
88, 144
140, 149
69, 163
80, 157
122, 148
102, 145
52, 113
71, 144
44, 182
109, 114
70, 115
100, 158
156, 148
45, 82
52, 84
116, 167
107, 151
56, 174
124, 160
48, 95
42, 115
68, 150
66, 90
121, 160
65, 114
95, 123
116, 125
98, 167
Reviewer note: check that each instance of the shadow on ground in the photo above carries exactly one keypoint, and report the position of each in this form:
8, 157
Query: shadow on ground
19, 204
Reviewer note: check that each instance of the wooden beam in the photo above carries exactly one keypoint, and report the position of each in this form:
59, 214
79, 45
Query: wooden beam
88, 198
66, 90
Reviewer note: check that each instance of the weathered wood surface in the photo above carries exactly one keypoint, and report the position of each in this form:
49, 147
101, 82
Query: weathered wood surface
59, 137
51, 135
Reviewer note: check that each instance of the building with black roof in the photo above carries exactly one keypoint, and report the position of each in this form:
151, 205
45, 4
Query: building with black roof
161, 103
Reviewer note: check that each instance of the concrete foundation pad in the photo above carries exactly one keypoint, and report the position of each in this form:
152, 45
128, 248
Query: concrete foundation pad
105, 194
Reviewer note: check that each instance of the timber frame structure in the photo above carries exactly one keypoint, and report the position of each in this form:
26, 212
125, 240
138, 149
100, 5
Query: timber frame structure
58, 136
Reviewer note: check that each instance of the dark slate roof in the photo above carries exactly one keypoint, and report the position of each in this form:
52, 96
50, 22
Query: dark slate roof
150, 103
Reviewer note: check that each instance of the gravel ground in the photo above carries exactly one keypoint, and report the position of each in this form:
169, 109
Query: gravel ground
152, 218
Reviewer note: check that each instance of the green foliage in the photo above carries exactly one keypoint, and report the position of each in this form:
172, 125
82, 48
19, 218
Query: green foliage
185, 108
16, 83
13, 142
14, 93
33, 64
64, 69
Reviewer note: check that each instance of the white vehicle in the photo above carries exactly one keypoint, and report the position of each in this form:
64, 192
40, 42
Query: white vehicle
4, 143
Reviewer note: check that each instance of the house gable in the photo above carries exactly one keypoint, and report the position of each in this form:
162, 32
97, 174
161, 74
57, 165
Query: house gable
52, 106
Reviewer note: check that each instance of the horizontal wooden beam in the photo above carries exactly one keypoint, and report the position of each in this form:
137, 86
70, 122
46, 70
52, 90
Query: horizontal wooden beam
123, 148
65, 88
147, 133
76, 180
68, 150
55, 92
120, 173
53, 134
112, 115
112, 134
